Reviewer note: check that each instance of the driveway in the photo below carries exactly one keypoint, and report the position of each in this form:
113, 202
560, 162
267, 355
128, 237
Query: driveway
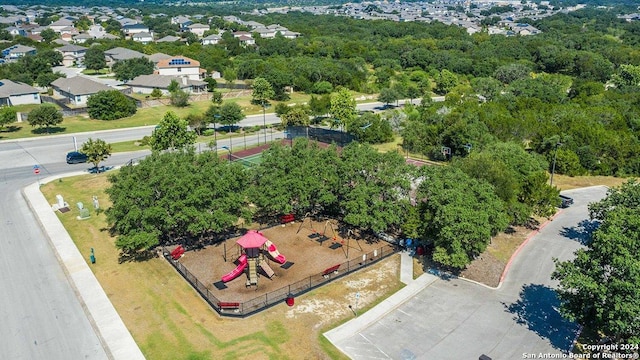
456, 319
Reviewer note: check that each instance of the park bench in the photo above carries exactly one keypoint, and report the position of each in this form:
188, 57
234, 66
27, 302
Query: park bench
328, 271
284, 219
177, 252
229, 305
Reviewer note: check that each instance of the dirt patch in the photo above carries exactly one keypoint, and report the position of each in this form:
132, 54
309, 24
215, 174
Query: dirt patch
307, 259
488, 267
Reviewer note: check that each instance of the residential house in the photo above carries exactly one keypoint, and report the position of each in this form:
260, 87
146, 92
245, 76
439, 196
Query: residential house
60, 24
198, 29
265, 33
16, 93
212, 39
246, 40
118, 54
76, 90
16, 31
72, 55
143, 37
182, 21
238, 34
180, 66
291, 34
15, 52
132, 29
155, 58
81, 38
145, 84
169, 38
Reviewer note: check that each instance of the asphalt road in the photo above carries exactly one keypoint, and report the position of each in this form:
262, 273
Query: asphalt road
456, 319
40, 314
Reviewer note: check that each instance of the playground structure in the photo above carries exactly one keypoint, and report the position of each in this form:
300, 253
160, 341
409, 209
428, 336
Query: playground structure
253, 245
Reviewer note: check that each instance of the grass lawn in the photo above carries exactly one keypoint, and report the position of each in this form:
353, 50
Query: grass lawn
169, 320
564, 182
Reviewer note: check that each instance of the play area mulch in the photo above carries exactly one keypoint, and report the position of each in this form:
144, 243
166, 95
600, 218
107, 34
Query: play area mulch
305, 257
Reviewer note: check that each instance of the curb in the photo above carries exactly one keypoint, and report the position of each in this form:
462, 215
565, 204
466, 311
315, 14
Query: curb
525, 242
114, 336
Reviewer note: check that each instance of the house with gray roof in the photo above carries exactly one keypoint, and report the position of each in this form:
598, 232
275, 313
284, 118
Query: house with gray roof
72, 54
145, 84
155, 58
119, 53
76, 90
143, 37
15, 52
169, 38
16, 93
60, 24
212, 39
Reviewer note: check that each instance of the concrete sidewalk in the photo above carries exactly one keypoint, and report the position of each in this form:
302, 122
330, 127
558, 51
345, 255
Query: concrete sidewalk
372, 316
116, 339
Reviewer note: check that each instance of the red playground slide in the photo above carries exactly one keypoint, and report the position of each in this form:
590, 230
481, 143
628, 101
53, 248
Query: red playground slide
242, 264
275, 254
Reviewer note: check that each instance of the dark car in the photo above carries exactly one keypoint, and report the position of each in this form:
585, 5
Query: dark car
76, 157
565, 201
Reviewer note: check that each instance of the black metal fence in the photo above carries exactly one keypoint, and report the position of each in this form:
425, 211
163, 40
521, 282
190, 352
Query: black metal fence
257, 304
328, 136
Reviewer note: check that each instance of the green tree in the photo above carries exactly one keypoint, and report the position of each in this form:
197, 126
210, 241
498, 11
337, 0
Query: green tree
261, 93
216, 97
156, 93
459, 214
628, 75
46, 115
343, 108
230, 114
97, 151
179, 98
445, 81
94, 59
320, 105
282, 185
48, 35
388, 95
197, 122
45, 79
7, 116
131, 68
172, 197
512, 72
376, 193
230, 76
172, 133
600, 288
110, 105
212, 84
174, 86
296, 116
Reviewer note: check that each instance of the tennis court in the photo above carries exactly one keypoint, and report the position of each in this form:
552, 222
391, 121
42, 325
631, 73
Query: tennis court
248, 161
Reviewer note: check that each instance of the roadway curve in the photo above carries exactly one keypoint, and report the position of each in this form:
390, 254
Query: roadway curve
456, 319
40, 314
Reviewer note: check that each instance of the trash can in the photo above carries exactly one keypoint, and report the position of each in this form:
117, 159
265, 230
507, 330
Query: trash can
290, 300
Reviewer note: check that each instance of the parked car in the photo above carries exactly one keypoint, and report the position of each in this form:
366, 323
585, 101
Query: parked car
565, 201
76, 157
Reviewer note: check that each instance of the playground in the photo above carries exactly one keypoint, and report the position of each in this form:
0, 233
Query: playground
260, 262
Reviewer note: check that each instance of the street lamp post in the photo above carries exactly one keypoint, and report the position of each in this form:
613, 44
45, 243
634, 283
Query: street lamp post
229, 150
553, 167
264, 121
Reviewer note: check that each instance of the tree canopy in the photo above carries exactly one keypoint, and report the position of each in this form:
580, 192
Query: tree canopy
110, 105
600, 288
97, 151
172, 133
46, 115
